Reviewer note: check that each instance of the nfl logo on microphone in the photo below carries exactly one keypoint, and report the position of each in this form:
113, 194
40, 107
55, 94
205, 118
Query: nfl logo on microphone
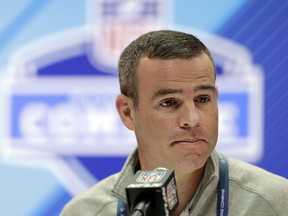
155, 176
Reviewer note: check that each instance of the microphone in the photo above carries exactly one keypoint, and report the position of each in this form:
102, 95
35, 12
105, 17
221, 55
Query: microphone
152, 192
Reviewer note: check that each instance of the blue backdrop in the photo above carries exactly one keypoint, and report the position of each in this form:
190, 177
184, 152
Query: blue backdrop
58, 82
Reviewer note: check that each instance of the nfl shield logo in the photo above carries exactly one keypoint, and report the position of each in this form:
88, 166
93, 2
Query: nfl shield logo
119, 22
149, 177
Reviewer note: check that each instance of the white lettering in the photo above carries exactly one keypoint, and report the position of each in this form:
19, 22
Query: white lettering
66, 123
222, 204
229, 113
32, 123
165, 201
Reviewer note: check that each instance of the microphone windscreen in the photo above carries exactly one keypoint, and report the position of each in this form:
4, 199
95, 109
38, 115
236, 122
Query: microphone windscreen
157, 186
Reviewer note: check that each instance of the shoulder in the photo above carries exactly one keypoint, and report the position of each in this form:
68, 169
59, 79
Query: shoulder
257, 185
94, 201
251, 175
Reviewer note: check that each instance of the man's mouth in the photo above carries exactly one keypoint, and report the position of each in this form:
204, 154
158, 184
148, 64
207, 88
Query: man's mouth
188, 141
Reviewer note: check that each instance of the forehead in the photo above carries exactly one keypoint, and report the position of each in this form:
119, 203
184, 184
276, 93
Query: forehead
199, 69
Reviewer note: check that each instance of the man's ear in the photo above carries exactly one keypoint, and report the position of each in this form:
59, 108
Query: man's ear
125, 110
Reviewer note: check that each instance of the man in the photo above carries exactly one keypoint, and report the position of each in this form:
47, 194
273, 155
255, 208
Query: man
169, 99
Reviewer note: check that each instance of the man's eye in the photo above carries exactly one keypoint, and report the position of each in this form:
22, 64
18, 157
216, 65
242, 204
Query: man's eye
168, 103
203, 99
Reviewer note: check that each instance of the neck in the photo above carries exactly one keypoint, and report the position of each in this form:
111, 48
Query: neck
187, 185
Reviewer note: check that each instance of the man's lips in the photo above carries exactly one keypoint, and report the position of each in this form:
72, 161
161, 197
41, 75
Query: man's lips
189, 141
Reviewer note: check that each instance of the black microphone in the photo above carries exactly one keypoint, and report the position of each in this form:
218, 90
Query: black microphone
152, 192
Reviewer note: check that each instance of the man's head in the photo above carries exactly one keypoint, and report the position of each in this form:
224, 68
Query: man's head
164, 44
169, 99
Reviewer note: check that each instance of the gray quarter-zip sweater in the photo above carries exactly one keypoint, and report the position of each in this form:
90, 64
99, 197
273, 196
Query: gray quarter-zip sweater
252, 191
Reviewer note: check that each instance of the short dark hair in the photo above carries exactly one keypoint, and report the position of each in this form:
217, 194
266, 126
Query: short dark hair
163, 44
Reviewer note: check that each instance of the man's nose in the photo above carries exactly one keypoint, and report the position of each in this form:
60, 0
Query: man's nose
189, 116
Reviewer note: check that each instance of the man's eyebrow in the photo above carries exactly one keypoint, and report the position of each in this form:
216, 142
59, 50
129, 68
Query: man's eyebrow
162, 92
206, 87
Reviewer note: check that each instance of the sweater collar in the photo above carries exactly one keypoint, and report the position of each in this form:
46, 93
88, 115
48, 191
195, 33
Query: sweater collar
132, 163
